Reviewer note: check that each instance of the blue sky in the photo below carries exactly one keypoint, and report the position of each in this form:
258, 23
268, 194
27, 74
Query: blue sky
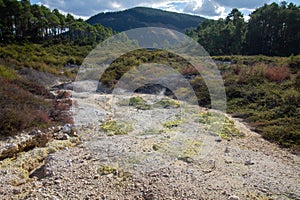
208, 8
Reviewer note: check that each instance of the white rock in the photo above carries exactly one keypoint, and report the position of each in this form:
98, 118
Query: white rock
233, 198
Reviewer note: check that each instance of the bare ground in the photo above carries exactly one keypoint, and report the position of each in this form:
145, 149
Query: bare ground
156, 161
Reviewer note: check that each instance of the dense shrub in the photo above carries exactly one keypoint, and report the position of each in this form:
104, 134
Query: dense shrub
54, 59
25, 105
297, 81
267, 96
7, 73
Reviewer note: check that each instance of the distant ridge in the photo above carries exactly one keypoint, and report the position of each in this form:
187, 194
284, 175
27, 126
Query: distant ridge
145, 17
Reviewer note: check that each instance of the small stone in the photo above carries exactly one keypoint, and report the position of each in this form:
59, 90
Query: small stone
228, 161
11, 147
226, 150
57, 128
218, 139
233, 197
96, 176
16, 191
65, 137
249, 162
165, 175
264, 190
109, 175
67, 128
186, 159
34, 132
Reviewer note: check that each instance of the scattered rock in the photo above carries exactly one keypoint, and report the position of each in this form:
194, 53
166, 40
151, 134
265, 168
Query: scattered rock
233, 198
57, 129
228, 161
186, 159
249, 162
16, 191
218, 139
9, 150
65, 137
226, 150
63, 86
78, 172
67, 128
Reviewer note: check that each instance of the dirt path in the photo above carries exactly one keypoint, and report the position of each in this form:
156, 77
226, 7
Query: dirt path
161, 153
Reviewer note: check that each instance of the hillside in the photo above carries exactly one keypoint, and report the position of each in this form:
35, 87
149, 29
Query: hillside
145, 17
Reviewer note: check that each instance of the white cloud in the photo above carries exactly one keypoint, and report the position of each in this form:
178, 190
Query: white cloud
204, 8
250, 4
207, 8
92, 7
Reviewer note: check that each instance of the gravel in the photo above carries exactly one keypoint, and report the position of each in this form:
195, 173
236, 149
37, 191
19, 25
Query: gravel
187, 163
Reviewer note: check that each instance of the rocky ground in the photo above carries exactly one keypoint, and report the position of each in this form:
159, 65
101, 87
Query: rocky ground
155, 148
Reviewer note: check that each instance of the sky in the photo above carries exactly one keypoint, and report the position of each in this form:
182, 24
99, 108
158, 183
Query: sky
213, 9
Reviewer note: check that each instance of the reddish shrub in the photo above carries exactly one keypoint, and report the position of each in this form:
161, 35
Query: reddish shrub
24, 106
189, 70
277, 74
63, 94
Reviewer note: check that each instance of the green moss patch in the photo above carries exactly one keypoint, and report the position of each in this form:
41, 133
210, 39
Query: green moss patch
153, 132
228, 128
172, 123
192, 147
113, 127
105, 170
167, 103
137, 102
155, 147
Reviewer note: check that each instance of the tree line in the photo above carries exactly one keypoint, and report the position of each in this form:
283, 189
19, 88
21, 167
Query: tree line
271, 30
21, 21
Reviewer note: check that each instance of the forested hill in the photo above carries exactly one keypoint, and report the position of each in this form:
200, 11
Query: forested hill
145, 17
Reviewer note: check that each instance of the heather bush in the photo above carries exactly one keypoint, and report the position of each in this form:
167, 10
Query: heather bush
277, 74
25, 105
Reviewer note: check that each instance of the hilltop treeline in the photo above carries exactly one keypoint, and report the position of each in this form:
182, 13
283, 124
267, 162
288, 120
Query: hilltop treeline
21, 21
271, 30
145, 17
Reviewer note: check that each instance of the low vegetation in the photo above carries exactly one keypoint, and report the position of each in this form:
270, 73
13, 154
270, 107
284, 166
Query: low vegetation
266, 94
228, 128
167, 103
25, 105
56, 59
113, 127
172, 123
22, 165
153, 132
265, 91
105, 170
139, 103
